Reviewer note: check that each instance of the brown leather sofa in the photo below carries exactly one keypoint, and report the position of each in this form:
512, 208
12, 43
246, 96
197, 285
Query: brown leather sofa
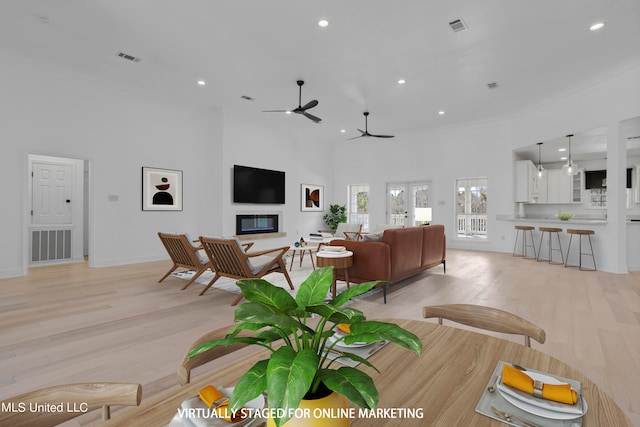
400, 253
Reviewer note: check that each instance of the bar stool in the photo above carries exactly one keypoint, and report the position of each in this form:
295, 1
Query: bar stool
525, 246
550, 230
581, 233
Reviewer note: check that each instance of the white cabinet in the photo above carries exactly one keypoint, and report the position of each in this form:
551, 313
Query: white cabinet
558, 186
526, 182
576, 187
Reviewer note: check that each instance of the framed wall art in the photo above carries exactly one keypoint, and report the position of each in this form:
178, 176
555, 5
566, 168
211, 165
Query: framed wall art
312, 197
161, 189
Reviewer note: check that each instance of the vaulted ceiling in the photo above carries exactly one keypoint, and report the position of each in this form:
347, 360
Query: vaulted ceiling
532, 51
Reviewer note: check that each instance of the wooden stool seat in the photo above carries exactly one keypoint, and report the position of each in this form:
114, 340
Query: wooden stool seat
550, 230
581, 233
525, 246
584, 232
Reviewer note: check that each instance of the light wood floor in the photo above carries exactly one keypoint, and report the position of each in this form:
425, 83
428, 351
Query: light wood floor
68, 323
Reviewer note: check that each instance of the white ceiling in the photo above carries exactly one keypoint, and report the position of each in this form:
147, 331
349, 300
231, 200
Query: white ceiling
534, 50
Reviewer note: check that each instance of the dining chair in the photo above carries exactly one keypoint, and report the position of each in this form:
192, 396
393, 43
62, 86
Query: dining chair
229, 258
35, 407
488, 318
184, 255
187, 365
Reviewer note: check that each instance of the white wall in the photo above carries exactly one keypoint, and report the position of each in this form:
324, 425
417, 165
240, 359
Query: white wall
250, 141
47, 112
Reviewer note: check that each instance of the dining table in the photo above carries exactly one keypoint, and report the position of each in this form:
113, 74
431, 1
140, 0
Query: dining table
441, 387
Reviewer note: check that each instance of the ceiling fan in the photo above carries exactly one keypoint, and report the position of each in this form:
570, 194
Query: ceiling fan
301, 109
365, 132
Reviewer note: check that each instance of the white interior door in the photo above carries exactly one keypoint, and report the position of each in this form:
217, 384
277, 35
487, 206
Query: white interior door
404, 201
51, 196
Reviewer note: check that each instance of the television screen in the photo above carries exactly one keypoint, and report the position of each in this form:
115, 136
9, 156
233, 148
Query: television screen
254, 185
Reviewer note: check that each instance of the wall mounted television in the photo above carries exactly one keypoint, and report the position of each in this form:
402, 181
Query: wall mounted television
254, 185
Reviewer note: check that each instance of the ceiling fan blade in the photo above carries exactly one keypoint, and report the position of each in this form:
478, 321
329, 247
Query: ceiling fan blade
312, 117
383, 136
309, 104
355, 137
275, 111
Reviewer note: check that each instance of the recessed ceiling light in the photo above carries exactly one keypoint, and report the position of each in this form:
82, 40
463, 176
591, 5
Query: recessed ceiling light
596, 26
441, 112
562, 149
201, 82
287, 112
323, 23
343, 131
401, 81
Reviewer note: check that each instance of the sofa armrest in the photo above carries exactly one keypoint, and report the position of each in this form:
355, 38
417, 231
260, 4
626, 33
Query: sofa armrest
371, 260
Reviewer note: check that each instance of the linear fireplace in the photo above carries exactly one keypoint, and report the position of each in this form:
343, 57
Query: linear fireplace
256, 224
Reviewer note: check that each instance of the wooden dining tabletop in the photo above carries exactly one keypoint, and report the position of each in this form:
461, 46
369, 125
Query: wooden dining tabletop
443, 385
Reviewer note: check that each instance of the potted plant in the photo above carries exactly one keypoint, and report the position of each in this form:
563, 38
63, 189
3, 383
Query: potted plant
336, 215
300, 368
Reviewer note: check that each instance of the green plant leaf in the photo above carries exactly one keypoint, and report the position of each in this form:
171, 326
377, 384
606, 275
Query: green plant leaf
357, 358
200, 348
315, 287
370, 331
252, 383
353, 291
355, 385
289, 378
257, 312
259, 290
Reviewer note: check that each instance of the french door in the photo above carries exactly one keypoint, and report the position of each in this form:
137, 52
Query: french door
408, 203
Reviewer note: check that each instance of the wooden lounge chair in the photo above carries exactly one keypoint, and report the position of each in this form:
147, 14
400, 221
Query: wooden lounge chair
229, 259
76, 399
185, 255
490, 319
186, 365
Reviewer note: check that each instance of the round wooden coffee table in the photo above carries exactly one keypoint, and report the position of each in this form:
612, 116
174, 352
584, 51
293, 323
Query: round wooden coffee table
336, 260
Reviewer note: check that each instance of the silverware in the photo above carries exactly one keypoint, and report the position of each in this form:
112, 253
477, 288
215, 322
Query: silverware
512, 418
492, 387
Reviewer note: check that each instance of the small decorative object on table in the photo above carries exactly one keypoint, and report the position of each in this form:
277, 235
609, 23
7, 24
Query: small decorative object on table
564, 216
301, 368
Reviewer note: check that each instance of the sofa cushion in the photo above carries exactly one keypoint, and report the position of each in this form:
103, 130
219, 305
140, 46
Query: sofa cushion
406, 251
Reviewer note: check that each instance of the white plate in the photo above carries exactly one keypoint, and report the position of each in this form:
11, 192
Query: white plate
333, 338
541, 407
196, 403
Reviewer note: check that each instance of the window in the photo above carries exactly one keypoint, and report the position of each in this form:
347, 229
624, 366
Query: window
471, 207
358, 205
598, 198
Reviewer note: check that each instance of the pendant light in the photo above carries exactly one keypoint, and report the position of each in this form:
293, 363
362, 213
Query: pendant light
570, 168
541, 171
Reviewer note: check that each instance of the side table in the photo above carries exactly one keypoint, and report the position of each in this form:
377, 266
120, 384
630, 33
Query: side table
302, 250
336, 260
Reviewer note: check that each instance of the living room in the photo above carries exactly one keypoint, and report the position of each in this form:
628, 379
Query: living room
51, 110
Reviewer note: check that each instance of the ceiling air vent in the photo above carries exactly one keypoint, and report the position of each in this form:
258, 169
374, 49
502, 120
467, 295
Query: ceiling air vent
128, 57
247, 98
492, 85
457, 25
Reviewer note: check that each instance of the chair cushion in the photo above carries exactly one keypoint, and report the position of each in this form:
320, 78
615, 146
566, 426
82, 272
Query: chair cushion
256, 264
373, 237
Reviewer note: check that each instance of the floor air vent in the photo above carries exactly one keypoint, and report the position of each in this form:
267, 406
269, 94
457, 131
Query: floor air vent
50, 245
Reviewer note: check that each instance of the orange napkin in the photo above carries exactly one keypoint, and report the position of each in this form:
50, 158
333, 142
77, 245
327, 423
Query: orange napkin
519, 380
210, 394
344, 328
